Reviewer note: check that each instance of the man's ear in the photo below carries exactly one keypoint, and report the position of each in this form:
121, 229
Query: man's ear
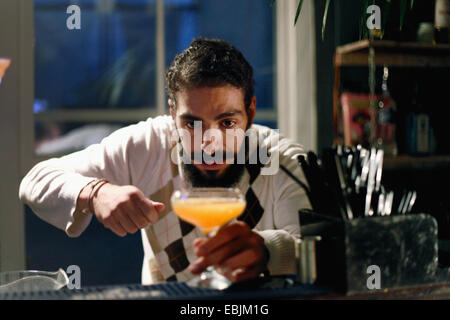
251, 111
171, 108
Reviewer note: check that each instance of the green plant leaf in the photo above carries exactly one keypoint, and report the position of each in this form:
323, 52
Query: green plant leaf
403, 8
412, 4
324, 20
272, 2
297, 14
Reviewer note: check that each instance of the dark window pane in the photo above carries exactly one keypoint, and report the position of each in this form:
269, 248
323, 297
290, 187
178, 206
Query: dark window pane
246, 24
109, 63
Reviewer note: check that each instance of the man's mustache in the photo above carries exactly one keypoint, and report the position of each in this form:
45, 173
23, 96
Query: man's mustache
220, 156
200, 156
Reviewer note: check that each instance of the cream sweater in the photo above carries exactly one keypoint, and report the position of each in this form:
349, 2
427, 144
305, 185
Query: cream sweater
141, 155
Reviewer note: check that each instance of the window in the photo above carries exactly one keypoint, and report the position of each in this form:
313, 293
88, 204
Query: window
90, 82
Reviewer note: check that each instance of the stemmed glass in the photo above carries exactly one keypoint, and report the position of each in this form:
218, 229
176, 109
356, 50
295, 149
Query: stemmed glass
208, 209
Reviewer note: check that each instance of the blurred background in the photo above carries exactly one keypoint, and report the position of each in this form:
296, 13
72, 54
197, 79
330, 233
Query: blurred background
69, 88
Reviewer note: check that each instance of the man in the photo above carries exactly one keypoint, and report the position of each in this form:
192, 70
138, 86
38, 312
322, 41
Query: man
126, 181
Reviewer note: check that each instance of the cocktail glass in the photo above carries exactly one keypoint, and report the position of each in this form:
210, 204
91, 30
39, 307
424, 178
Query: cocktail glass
208, 209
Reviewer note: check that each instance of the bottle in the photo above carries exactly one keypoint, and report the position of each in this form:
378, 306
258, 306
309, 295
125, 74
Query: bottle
386, 124
419, 133
442, 22
425, 32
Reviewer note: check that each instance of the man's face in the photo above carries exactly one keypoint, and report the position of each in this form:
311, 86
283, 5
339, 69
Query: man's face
213, 121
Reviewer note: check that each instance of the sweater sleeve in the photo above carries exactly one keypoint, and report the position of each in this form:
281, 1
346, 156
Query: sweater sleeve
281, 241
51, 187
288, 199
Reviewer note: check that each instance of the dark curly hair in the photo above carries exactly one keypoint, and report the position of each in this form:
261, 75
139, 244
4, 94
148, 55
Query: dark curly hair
210, 63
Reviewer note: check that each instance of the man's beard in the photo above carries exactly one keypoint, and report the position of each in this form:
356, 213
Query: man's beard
211, 178
229, 177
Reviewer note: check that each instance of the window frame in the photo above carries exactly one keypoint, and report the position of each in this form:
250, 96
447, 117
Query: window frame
296, 85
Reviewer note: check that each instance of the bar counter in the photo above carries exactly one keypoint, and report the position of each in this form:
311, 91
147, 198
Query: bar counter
277, 288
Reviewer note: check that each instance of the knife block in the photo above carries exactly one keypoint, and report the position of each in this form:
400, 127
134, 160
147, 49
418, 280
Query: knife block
404, 248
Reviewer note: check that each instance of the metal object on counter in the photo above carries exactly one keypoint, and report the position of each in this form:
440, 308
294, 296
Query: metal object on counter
32, 280
351, 178
305, 257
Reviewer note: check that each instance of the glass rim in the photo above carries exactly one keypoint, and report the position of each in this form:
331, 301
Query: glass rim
214, 191
210, 188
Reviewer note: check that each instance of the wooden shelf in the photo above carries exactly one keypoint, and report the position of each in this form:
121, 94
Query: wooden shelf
395, 54
411, 162
392, 54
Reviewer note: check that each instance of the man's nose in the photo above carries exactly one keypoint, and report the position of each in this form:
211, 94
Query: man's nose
212, 141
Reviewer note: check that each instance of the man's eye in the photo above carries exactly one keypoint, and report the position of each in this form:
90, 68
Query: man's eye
228, 123
190, 124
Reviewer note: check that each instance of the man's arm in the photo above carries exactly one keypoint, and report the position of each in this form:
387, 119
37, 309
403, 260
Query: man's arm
289, 197
280, 242
58, 189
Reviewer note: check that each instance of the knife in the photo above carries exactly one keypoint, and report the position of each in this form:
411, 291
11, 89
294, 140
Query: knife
370, 182
412, 201
343, 188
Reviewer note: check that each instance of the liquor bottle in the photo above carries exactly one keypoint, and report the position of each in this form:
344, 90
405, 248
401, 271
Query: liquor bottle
386, 124
442, 21
419, 133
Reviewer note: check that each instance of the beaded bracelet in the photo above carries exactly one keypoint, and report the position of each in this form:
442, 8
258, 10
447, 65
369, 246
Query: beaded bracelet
100, 182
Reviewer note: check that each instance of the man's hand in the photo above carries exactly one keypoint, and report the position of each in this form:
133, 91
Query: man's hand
235, 250
124, 209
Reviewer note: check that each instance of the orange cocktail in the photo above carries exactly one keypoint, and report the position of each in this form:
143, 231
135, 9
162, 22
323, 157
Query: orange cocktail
208, 209
210, 212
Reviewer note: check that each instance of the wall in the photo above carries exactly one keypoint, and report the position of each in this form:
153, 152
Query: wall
16, 95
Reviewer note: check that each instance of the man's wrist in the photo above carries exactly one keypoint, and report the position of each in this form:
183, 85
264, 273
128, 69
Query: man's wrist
281, 247
85, 197
94, 190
